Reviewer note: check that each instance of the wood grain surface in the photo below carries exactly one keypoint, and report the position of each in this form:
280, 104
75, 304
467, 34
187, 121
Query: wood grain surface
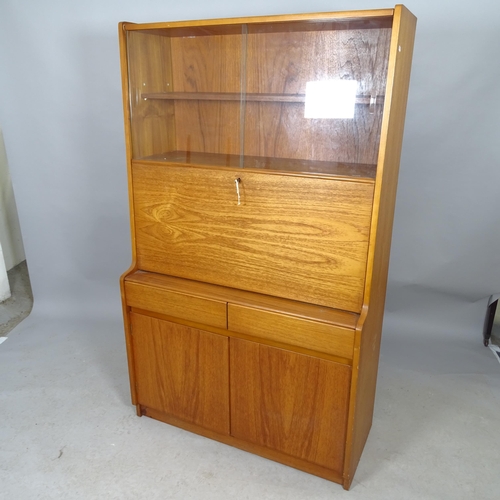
289, 402
182, 371
284, 63
369, 329
173, 303
294, 237
263, 302
150, 70
268, 164
207, 64
370, 18
315, 335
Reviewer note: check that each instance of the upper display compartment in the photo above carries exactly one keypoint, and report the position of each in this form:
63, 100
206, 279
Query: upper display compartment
300, 96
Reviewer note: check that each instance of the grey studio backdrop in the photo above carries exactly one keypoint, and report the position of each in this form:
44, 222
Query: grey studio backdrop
61, 114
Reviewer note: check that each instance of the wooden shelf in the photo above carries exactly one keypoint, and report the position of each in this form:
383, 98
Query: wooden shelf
236, 96
332, 168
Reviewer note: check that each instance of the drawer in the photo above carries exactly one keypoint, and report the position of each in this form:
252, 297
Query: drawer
179, 305
291, 330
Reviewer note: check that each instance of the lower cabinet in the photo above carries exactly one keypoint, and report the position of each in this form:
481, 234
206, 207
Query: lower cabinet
280, 400
182, 371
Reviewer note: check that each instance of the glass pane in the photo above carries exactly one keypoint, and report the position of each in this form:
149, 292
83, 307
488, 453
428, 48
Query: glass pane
292, 96
315, 94
185, 94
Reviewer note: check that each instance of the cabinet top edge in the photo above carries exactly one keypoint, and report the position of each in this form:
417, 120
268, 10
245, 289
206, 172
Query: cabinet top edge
316, 16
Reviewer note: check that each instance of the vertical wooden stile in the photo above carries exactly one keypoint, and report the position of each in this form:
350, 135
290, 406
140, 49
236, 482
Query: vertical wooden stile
369, 328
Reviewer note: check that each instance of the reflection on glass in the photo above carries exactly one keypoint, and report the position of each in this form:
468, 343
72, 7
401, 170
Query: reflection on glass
330, 99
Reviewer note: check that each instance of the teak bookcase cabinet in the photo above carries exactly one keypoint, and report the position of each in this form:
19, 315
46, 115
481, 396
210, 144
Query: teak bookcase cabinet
262, 157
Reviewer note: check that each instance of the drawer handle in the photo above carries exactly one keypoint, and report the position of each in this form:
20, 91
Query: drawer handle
237, 183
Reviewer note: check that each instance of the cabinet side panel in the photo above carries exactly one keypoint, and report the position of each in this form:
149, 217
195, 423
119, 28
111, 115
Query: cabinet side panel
369, 329
289, 402
182, 371
122, 35
301, 238
128, 343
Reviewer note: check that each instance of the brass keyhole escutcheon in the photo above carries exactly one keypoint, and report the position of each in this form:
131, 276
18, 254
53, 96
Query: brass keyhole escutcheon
237, 184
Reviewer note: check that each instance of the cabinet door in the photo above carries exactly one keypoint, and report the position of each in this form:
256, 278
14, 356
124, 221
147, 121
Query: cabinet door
300, 238
289, 402
182, 371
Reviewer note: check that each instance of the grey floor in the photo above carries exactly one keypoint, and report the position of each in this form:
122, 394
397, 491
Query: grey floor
68, 431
